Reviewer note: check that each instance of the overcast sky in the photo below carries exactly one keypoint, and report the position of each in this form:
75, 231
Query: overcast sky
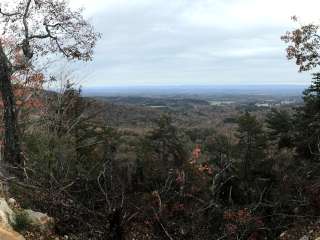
180, 42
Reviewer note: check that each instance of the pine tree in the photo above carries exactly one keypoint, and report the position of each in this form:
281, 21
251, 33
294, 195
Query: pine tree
280, 126
252, 143
163, 151
307, 121
220, 149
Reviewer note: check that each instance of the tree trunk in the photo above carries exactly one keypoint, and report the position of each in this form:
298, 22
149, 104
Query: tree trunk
116, 230
12, 151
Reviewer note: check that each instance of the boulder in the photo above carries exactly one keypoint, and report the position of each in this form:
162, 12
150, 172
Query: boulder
12, 202
7, 219
7, 216
39, 220
6, 234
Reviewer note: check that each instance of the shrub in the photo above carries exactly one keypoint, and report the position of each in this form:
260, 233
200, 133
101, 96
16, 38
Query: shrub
22, 222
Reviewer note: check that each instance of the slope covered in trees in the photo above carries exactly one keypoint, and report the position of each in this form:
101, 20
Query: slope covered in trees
252, 174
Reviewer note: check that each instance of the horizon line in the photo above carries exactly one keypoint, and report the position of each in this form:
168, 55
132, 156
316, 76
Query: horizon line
198, 85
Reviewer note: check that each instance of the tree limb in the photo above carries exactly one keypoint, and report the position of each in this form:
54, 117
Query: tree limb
9, 14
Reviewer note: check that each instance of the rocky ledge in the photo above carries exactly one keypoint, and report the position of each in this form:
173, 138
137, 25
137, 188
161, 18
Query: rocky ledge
23, 224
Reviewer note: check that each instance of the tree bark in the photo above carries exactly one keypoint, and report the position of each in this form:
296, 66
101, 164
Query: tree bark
12, 151
116, 230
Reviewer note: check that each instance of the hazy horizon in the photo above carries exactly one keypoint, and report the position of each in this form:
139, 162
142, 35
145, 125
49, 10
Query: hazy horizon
164, 90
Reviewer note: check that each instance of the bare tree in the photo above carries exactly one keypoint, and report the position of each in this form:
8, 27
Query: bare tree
37, 28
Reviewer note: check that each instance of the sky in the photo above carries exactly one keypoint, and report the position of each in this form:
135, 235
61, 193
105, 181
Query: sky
193, 42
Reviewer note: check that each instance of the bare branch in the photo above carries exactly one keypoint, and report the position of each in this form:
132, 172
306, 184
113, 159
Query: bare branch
26, 45
48, 35
9, 14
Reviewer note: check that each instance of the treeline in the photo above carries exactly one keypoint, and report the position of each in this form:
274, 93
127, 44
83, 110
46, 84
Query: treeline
102, 183
170, 183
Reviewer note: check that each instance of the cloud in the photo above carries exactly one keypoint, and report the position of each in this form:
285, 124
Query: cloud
193, 41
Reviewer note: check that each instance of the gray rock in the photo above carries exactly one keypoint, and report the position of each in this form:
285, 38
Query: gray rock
7, 219
39, 220
7, 216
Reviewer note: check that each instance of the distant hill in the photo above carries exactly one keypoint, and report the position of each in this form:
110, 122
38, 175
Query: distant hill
160, 91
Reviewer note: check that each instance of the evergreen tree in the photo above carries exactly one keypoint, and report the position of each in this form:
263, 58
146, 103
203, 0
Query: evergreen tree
220, 149
308, 121
252, 143
163, 151
166, 143
280, 125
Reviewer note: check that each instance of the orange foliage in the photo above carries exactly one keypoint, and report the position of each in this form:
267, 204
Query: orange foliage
202, 167
205, 168
236, 220
26, 88
196, 154
25, 82
242, 216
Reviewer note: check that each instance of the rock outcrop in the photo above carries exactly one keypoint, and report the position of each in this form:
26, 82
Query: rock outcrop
10, 235
38, 220
9, 220
7, 216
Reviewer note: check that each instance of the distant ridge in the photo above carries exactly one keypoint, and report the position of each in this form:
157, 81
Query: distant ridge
283, 90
